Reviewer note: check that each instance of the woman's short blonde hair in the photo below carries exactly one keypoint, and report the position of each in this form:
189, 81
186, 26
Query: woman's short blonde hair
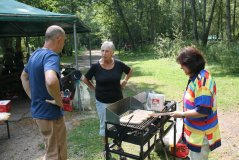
108, 45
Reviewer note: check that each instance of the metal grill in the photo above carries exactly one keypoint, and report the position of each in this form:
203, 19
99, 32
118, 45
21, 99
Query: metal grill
142, 125
138, 134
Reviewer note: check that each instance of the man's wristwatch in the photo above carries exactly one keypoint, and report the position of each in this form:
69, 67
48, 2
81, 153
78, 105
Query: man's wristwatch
183, 115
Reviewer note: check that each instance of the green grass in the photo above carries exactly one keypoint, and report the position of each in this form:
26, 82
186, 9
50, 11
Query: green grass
156, 75
71, 59
162, 76
165, 76
68, 59
84, 141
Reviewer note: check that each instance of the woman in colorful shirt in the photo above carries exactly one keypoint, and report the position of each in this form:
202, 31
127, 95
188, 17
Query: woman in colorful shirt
201, 131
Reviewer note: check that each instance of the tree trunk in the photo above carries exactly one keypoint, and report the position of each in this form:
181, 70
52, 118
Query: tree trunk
199, 9
140, 19
205, 35
204, 17
234, 18
121, 14
219, 25
193, 12
228, 20
222, 28
183, 21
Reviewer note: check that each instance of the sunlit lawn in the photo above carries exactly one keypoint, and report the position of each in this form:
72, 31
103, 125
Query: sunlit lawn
165, 76
159, 75
84, 142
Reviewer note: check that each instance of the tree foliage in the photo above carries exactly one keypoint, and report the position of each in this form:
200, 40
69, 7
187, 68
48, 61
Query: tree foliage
140, 22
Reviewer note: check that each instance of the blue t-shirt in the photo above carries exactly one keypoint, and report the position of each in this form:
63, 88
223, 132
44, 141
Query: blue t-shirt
41, 61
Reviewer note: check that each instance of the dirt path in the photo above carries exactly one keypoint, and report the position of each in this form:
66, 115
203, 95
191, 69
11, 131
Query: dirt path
26, 143
230, 136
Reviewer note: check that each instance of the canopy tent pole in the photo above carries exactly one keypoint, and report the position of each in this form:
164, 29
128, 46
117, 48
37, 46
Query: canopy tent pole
90, 50
27, 45
77, 68
76, 47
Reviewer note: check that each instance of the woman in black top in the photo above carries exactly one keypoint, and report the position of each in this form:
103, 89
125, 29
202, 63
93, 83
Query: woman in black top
107, 73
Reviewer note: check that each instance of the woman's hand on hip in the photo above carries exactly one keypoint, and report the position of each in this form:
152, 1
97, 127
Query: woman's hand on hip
123, 83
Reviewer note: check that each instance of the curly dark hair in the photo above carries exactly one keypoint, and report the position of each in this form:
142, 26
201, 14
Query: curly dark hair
192, 58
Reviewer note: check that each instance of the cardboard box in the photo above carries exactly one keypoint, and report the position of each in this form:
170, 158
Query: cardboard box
5, 105
155, 102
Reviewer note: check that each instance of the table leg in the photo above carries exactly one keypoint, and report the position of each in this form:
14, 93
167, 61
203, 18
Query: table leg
8, 130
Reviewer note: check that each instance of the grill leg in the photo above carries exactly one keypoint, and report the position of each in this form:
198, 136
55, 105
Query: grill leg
107, 155
107, 149
174, 138
141, 152
163, 145
148, 149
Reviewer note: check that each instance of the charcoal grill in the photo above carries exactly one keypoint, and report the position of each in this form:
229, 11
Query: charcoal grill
145, 134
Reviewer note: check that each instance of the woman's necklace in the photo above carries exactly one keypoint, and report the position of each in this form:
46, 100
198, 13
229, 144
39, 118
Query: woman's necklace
107, 65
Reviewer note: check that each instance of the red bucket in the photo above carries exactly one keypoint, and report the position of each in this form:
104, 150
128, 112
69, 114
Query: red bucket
182, 150
67, 102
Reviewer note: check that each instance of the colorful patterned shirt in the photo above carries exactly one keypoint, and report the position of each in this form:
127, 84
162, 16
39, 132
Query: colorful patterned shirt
200, 95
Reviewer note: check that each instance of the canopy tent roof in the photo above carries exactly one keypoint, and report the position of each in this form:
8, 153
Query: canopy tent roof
19, 19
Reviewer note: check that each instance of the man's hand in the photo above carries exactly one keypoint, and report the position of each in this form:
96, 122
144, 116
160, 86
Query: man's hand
53, 87
54, 102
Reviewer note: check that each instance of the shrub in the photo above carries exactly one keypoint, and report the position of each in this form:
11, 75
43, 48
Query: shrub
224, 54
166, 46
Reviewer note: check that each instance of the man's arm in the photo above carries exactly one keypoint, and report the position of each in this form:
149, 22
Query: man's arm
53, 87
26, 83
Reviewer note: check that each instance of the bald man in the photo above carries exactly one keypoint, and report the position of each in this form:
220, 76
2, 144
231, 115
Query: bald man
41, 81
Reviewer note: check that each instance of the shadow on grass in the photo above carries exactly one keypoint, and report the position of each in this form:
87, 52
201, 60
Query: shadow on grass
140, 56
219, 71
137, 73
133, 89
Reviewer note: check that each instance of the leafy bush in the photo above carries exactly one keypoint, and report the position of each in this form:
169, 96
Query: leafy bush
166, 46
224, 54
142, 52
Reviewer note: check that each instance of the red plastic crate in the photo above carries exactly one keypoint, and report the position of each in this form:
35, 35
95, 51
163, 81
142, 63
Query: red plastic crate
5, 105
